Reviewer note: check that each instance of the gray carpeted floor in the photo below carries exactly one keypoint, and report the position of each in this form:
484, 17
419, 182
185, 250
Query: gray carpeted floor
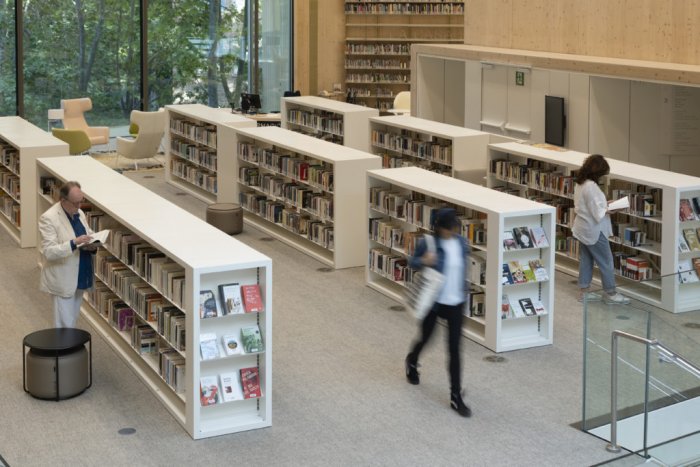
339, 393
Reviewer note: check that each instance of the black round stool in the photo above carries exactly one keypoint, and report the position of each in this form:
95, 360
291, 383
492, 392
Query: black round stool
57, 365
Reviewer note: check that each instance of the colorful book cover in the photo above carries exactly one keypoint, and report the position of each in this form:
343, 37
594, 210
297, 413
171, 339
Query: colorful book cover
686, 272
230, 296
685, 211
527, 306
516, 271
539, 237
683, 245
506, 277
252, 299
522, 236
528, 272
505, 307
692, 238
251, 338
509, 242
208, 390
232, 344
696, 206
539, 271
207, 304
696, 265
250, 381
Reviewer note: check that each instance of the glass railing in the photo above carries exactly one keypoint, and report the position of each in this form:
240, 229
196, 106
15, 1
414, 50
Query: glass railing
658, 399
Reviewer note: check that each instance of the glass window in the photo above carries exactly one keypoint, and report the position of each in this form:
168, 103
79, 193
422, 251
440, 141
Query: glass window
274, 52
82, 48
8, 64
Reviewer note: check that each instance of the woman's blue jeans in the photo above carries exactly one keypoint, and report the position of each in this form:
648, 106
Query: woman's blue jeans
599, 253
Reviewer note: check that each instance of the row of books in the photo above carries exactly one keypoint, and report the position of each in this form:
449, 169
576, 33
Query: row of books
689, 270
328, 122
415, 145
405, 8
366, 78
197, 176
248, 341
9, 157
390, 265
49, 186
522, 308
636, 234
378, 63
689, 240
634, 267
10, 183
689, 209
301, 224
313, 172
201, 156
205, 134
234, 299
376, 92
240, 385
377, 49
535, 175
10, 209
525, 237
391, 161
515, 272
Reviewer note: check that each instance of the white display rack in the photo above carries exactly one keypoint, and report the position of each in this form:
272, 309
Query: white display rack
663, 229
439, 147
20, 144
196, 159
338, 122
208, 258
331, 231
498, 212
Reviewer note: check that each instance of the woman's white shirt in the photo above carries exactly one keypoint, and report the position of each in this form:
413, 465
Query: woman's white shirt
452, 291
591, 208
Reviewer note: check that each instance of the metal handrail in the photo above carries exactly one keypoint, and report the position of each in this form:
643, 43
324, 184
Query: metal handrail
669, 355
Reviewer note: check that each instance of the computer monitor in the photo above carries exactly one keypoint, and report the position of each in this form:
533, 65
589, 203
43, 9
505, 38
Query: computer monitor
292, 93
250, 101
554, 120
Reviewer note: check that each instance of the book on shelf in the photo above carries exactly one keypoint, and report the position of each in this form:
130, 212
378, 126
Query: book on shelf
685, 211
477, 268
682, 244
527, 306
506, 276
230, 295
476, 303
252, 299
522, 236
509, 242
207, 304
516, 271
691, 237
208, 390
539, 308
696, 206
686, 272
696, 265
516, 311
252, 339
528, 272
232, 344
539, 270
505, 307
208, 346
539, 237
250, 381
621, 203
231, 389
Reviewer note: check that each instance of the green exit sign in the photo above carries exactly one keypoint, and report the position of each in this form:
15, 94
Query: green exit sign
520, 78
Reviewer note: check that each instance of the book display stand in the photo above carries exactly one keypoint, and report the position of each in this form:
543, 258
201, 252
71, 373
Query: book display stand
305, 192
501, 315
328, 119
647, 237
166, 303
20, 144
199, 148
378, 43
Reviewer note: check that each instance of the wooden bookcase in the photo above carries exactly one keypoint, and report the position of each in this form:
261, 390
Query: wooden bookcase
660, 249
378, 43
328, 119
305, 192
447, 149
399, 204
20, 144
199, 147
173, 367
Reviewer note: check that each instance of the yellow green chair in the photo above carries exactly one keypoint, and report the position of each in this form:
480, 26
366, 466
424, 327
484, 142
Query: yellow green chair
78, 141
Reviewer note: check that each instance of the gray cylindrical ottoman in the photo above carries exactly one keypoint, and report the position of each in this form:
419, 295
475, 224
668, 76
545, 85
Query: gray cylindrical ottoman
227, 217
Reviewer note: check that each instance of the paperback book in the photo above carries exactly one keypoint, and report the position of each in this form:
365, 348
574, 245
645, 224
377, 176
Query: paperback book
207, 304
505, 307
692, 238
522, 236
509, 242
230, 295
231, 389
232, 344
539, 237
208, 391
251, 338
685, 211
208, 346
506, 277
250, 381
538, 269
516, 271
252, 299
686, 272
527, 306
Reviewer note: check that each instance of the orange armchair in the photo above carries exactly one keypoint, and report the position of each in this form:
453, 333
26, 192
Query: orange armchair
73, 119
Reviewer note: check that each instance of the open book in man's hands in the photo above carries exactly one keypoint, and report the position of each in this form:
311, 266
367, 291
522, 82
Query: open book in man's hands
100, 236
622, 203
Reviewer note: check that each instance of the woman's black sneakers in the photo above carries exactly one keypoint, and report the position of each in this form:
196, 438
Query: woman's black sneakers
458, 404
412, 370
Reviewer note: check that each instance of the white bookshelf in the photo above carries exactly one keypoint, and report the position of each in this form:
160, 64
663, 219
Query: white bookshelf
338, 122
212, 259
20, 144
195, 159
410, 141
661, 248
498, 212
336, 238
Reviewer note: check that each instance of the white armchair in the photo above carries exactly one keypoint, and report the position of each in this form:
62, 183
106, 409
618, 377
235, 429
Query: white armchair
402, 104
73, 119
151, 128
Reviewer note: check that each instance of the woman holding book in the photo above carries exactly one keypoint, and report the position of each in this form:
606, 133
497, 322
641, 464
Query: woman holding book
450, 258
592, 228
